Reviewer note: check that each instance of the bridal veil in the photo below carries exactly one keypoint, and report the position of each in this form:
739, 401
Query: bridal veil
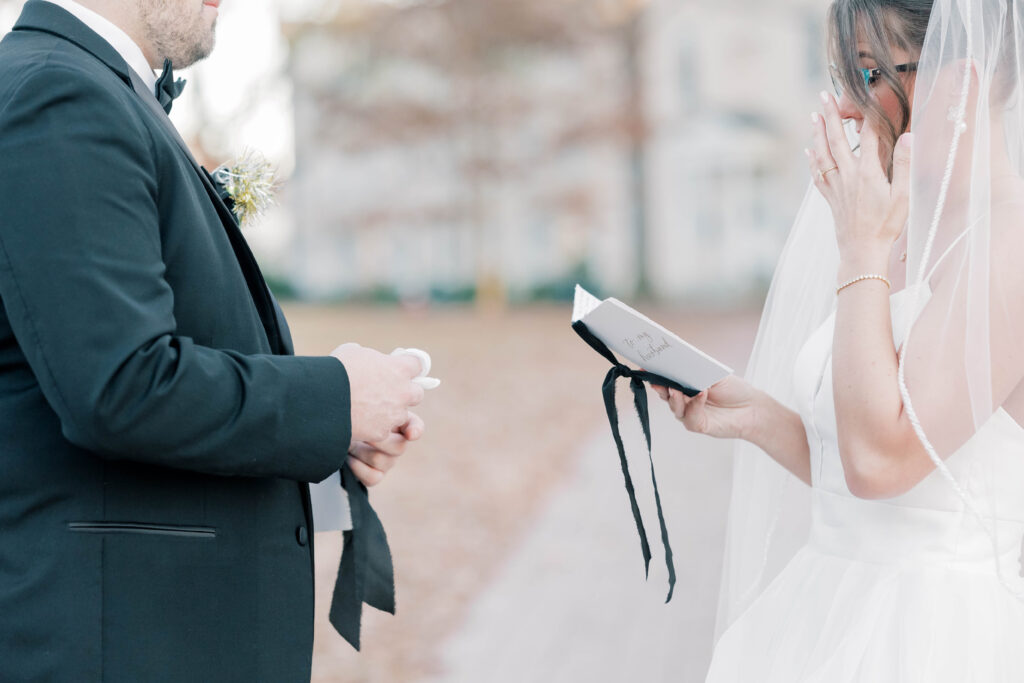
963, 355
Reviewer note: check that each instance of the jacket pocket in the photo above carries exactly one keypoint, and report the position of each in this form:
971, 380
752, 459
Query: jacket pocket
196, 532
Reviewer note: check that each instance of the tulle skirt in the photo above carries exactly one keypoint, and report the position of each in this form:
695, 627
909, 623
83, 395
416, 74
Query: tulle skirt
831, 619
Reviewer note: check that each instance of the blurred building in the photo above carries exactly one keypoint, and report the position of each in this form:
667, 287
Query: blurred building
731, 87
507, 148
510, 147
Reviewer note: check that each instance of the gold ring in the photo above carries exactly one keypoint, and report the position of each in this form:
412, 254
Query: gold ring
822, 174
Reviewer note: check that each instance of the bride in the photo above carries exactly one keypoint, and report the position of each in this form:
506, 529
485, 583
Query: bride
880, 540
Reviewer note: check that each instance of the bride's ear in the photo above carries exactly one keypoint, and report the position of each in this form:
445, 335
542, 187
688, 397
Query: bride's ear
947, 87
940, 104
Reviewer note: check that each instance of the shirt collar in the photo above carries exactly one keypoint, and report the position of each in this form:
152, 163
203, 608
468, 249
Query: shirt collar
118, 39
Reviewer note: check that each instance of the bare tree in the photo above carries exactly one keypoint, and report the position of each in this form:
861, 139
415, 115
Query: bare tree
477, 45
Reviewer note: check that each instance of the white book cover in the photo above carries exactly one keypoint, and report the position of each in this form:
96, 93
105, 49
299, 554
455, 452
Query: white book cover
637, 338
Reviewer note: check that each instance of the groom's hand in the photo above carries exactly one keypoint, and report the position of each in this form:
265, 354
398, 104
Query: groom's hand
371, 461
382, 390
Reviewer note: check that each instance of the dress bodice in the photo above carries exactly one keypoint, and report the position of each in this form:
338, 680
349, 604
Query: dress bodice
931, 520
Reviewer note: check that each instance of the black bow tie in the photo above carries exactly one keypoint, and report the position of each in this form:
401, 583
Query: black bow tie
167, 89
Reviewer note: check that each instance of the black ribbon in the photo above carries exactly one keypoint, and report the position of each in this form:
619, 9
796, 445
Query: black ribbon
636, 384
366, 574
167, 88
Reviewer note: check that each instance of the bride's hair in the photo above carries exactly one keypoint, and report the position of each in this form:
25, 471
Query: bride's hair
883, 24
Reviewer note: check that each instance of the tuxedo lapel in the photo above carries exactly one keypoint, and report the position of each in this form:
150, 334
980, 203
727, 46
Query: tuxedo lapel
250, 269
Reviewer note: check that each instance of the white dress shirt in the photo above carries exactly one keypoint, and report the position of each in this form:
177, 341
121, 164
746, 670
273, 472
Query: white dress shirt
118, 39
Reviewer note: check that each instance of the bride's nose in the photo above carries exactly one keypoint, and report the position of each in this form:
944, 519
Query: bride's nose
849, 111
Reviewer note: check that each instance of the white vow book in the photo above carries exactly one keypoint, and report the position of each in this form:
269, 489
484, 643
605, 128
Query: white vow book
644, 342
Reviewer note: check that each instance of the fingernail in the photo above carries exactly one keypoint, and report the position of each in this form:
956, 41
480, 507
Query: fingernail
815, 116
906, 140
824, 96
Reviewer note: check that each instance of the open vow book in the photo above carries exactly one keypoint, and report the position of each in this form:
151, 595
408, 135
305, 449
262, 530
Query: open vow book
644, 342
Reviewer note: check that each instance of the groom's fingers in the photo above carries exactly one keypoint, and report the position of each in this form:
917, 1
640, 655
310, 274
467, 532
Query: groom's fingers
411, 365
415, 395
369, 476
414, 428
660, 391
378, 460
370, 462
373, 453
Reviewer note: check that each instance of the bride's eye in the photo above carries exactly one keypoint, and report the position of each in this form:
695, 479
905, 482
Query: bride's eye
871, 75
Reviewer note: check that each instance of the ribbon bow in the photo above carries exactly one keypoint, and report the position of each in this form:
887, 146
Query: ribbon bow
366, 574
168, 89
636, 384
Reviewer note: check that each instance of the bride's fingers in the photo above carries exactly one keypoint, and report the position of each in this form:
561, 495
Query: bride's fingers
694, 418
701, 398
677, 401
822, 152
660, 391
835, 134
816, 164
688, 410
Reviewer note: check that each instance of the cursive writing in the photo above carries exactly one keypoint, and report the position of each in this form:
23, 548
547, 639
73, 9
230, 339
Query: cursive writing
647, 346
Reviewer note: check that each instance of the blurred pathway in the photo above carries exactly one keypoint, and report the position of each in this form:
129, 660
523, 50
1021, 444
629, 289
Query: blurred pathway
571, 605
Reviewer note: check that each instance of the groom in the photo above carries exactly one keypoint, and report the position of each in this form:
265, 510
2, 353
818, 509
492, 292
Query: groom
156, 432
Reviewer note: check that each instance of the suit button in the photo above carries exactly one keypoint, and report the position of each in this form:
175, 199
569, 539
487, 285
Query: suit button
302, 536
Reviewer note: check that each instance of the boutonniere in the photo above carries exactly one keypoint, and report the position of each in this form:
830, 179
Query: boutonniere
249, 184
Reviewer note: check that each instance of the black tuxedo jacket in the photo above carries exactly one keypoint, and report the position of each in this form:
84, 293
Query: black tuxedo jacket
155, 430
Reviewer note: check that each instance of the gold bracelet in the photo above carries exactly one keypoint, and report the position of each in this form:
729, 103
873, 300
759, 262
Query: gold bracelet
861, 278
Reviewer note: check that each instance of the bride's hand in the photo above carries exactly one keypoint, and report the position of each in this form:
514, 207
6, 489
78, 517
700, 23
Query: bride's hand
725, 410
869, 211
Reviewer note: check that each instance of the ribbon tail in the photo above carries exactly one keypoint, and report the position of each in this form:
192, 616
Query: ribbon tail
347, 602
379, 586
640, 401
366, 574
608, 390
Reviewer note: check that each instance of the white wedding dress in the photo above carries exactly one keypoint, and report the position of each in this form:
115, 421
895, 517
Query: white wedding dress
899, 590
